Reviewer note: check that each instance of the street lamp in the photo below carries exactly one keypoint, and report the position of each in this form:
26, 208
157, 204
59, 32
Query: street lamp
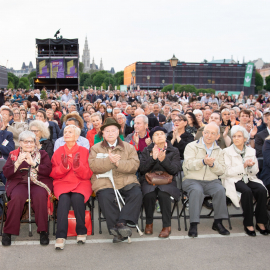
148, 78
163, 81
173, 63
133, 73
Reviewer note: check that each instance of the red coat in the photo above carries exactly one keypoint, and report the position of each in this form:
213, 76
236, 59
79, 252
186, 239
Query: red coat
91, 136
71, 180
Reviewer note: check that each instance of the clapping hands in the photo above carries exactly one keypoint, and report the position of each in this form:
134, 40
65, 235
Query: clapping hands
114, 158
209, 161
249, 163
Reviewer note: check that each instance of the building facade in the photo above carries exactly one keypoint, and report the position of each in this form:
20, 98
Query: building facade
3, 77
221, 77
24, 70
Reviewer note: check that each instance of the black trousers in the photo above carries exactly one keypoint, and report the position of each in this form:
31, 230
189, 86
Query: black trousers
260, 194
149, 202
77, 202
110, 209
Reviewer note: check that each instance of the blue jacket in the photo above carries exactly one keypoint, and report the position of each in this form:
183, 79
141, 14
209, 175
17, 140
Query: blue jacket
5, 150
129, 119
265, 174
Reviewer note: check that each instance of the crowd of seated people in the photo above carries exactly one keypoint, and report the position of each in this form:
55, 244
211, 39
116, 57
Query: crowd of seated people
68, 140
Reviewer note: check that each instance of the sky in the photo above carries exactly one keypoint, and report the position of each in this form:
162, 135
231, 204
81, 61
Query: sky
124, 32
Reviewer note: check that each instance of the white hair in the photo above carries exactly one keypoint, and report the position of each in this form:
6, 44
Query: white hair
76, 129
197, 112
237, 128
145, 118
26, 134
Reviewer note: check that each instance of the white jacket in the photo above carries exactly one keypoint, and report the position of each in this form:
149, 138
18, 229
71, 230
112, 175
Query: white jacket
234, 171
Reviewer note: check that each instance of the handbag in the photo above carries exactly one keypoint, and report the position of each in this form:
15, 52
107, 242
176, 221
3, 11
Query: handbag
158, 178
72, 223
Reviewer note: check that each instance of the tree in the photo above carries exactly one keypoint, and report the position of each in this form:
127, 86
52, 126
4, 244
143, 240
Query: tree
43, 95
267, 80
31, 77
10, 85
83, 77
25, 81
187, 88
258, 82
81, 67
88, 82
14, 78
104, 86
98, 80
22, 85
119, 77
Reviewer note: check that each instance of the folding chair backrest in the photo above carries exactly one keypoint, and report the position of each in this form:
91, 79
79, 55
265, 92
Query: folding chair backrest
2, 163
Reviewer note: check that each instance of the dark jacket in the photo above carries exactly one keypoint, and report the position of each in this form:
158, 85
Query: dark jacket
152, 122
54, 130
5, 150
171, 164
162, 117
47, 146
181, 145
92, 98
259, 141
129, 119
265, 174
128, 130
261, 127
14, 178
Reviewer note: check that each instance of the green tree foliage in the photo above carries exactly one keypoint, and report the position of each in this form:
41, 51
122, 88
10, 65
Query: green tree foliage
10, 85
98, 79
88, 82
83, 77
267, 80
22, 85
119, 77
169, 87
81, 67
43, 95
188, 88
31, 77
25, 81
258, 82
104, 86
14, 79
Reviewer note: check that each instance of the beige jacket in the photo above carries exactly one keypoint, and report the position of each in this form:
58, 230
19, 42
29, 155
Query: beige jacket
16, 128
234, 171
193, 162
123, 175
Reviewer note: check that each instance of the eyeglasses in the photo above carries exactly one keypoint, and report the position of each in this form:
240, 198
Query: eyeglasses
35, 131
28, 142
177, 120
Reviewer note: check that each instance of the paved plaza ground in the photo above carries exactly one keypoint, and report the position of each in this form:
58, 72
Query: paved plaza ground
209, 251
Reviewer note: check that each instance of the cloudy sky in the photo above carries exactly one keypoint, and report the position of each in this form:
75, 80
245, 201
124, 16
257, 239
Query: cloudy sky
123, 32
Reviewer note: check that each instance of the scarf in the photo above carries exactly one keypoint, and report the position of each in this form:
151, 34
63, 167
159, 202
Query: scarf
242, 153
34, 175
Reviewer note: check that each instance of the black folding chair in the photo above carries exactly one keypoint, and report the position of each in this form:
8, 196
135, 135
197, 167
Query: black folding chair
3, 195
184, 199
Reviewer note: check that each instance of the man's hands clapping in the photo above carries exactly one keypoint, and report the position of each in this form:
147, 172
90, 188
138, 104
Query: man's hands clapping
114, 158
209, 161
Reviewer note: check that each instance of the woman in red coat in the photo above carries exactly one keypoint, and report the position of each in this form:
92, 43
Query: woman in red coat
72, 186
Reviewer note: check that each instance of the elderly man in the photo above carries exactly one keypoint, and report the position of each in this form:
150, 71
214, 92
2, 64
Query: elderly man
203, 164
223, 140
206, 116
91, 96
140, 137
153, 122
121, 158
32, 97
81, 140
66, 96
116, 111
71, 108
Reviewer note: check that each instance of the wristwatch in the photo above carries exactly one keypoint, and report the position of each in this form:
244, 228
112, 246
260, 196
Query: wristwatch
34, 167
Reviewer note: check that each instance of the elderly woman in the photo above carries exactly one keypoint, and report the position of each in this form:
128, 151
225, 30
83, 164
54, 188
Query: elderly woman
240, 175
19, 162
159, 156
96, 120
71, 174
179, 138
125, 129
42, 136
226, 116
199, 117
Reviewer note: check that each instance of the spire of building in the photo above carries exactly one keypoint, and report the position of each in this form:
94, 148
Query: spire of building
86, 56
93, 64
101, 65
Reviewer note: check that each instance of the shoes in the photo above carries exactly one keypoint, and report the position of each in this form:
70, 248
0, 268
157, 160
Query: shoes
121, 229
158, 207
220, 228
263, 232
208, 204
81, 239
6, 239
148, 229
118, 239
165, 232
249, 233
193, 231
44, 239
60, 243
